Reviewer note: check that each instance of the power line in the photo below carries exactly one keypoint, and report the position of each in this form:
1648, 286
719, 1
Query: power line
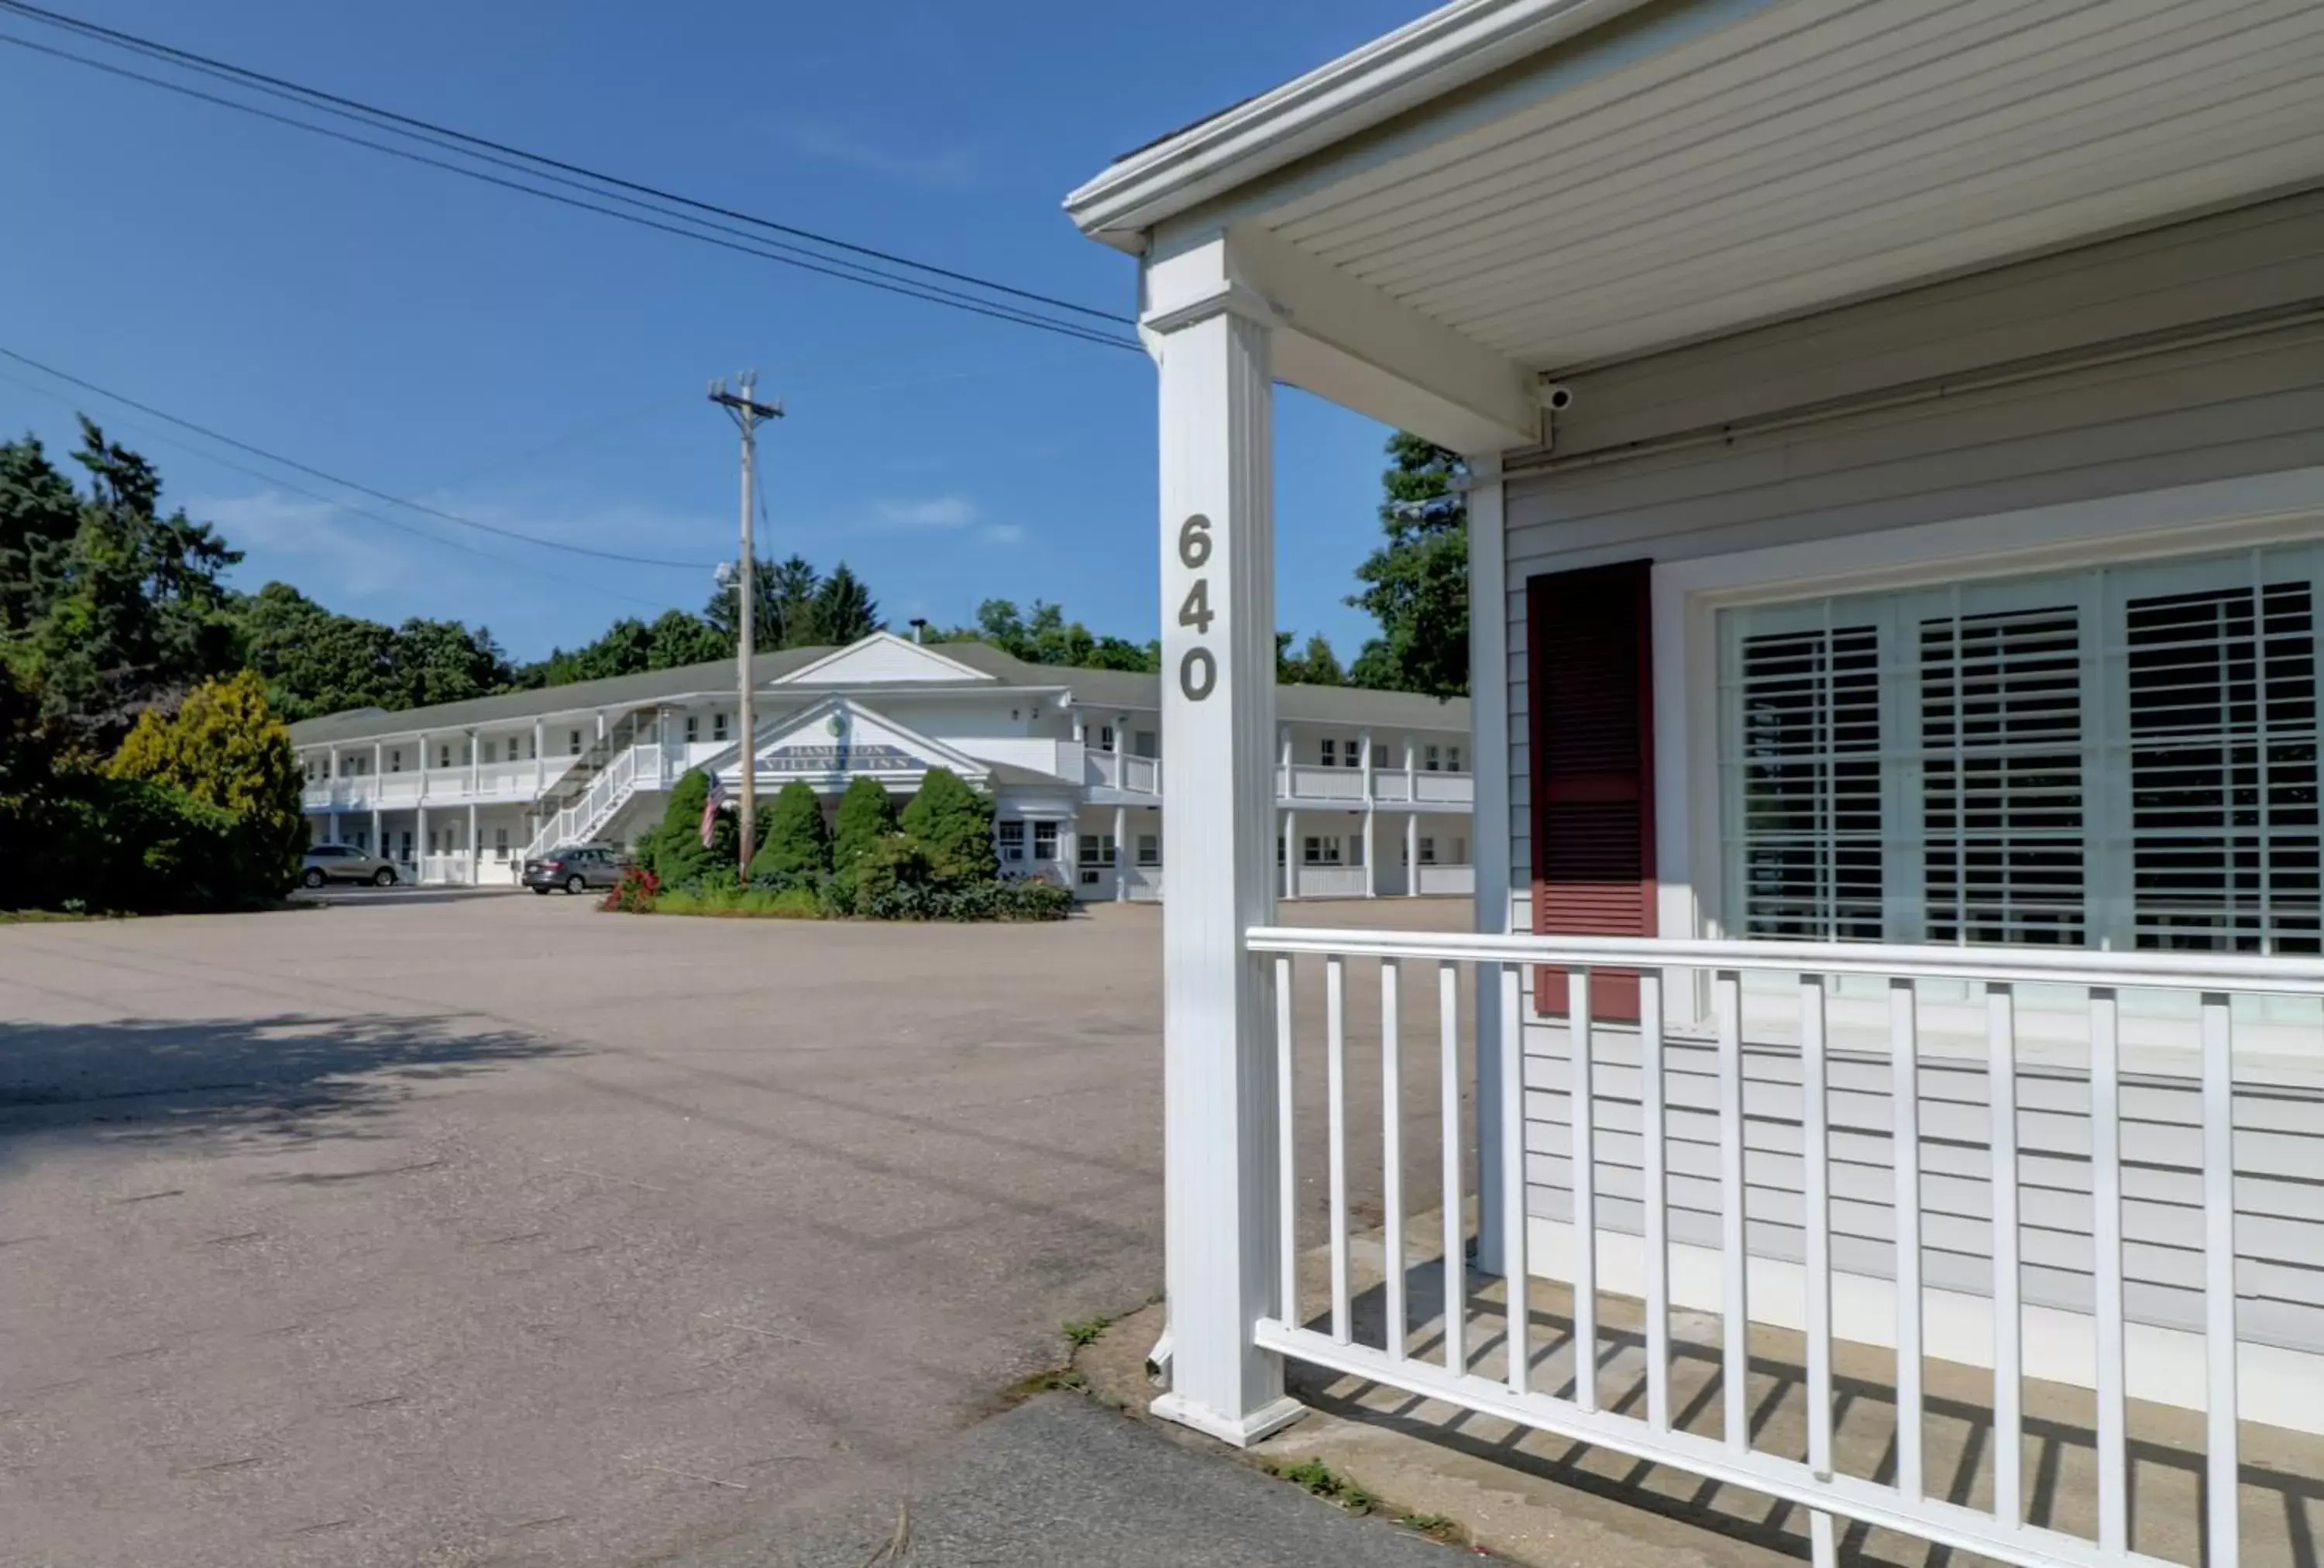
337, 505
354, 107
331, 478
846, 272
538, 166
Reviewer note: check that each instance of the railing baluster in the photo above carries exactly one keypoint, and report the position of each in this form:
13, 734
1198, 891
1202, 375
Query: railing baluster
1654, 1114
1456, 1269
1392, 1153
1735, 1337
1516, 1281
1904, 1157
1582, 1120
1815, 1127
2221, 1535
1336, 1092
2008, 1318
1287, 1150
2106, 1234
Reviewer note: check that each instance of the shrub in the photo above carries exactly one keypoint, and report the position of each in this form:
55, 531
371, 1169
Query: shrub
797, 846
954, 824
634, 894
674, 850
866, 816
226, 749
129, 845
779, 903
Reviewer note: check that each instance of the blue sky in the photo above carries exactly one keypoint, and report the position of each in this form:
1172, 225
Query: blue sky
543, 369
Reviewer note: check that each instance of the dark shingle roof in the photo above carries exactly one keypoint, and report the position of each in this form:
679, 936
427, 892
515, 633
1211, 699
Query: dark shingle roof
1095, 689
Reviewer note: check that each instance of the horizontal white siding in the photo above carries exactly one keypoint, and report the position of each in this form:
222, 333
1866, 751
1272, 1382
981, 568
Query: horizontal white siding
2279, 1183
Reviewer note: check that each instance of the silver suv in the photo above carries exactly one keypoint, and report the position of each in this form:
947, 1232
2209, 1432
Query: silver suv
343, 863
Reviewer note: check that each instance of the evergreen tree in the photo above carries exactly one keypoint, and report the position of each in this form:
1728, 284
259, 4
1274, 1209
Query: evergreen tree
798, 844
843, 611
953, 824
866, 816
1416, 584
674, 852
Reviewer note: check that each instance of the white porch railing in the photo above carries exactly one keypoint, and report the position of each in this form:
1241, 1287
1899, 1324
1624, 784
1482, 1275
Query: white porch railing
1313, 781
1119, 770
1556, 1383
445, 869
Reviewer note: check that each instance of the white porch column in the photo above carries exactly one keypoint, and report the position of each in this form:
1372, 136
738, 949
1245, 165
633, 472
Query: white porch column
473, 878
1069, 852
1489, 826
1283, 781
600, 724
1223, 1228
1121, 859
423, 764
419, 845
335, 829
475, 764
539, 767
1371, 855
1412, 854
1290, 853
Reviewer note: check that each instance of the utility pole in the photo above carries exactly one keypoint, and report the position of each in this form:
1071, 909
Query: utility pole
747, 412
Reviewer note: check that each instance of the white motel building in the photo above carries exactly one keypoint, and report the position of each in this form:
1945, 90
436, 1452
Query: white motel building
1372, 789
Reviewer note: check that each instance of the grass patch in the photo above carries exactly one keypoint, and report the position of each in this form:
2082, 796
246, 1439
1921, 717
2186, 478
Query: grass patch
50, 917
1047, 1381
1082, 1332
1320, 1480
1436, 1527
744, 903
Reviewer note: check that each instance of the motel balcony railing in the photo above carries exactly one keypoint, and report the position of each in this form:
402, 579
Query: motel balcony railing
1302, 783
1728, 1157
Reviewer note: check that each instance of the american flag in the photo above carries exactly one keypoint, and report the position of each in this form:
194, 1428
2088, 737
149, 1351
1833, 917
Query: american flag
712, 805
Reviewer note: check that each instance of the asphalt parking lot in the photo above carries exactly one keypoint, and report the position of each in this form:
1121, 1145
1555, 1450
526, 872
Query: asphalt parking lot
428, 1228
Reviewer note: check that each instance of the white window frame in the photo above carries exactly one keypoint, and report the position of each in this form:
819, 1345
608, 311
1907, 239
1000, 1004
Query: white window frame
2222, 515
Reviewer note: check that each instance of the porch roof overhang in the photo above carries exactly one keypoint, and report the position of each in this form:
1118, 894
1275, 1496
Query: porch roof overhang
1507, 191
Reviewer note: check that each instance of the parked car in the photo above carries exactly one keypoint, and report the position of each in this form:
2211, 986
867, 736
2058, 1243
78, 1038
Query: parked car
575, 868
343, 863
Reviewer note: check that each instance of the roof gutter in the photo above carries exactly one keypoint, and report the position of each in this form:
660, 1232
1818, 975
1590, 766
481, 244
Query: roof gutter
1449, 48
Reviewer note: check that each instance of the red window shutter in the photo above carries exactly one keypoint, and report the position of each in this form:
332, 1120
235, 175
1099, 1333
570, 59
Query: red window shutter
1589, 707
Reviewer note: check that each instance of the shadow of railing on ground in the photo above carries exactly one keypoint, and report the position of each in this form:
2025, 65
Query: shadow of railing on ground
2281, 1476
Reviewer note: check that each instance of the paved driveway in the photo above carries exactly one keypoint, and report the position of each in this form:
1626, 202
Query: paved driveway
427, 1230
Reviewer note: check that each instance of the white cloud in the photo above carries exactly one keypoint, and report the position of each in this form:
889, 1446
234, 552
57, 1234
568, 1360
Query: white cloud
326, 549
935, 512
954, 167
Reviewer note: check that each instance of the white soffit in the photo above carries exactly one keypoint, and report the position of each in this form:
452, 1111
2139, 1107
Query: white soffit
1806, 152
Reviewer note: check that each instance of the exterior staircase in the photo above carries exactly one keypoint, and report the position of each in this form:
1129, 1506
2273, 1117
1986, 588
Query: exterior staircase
593, 791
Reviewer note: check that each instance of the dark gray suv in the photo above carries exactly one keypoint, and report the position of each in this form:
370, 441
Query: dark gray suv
575, 868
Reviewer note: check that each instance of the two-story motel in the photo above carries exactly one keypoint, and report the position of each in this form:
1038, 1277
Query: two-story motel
1372, 789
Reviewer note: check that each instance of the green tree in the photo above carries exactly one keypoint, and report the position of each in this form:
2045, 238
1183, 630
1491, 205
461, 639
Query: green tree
1314, 665
866, 816
1416, 584
844, 611
798, 844
129, 612
1046, 636
318, 661
954, 824
39, 513
226, 749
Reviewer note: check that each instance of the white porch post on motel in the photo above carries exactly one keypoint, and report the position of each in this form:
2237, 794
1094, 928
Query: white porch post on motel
1121, 853
1209, 336
1488, 831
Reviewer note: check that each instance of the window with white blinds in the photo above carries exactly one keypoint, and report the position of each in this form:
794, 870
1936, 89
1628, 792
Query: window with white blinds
2124, 756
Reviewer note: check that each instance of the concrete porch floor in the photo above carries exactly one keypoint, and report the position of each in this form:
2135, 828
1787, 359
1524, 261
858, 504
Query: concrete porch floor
1537, 1498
